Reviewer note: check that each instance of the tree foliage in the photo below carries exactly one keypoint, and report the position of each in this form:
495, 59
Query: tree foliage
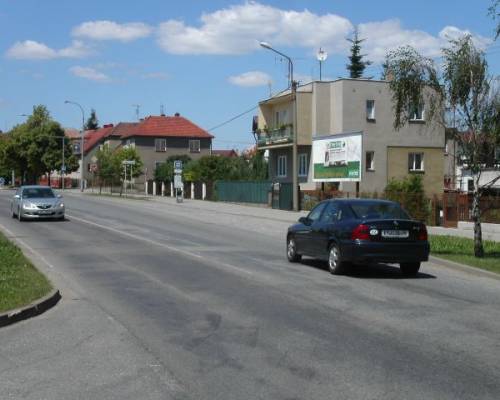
356, 65
494, 12
249, 166
35, 147
92, 122
465, 88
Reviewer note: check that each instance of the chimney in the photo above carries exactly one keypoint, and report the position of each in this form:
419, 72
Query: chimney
177, 114
108, 126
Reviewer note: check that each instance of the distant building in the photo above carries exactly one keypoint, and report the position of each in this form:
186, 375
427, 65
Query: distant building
225, 153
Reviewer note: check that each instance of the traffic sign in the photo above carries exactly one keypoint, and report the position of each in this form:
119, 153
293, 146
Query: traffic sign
128, 162
2, 181
178, 182
63, 168
178, 164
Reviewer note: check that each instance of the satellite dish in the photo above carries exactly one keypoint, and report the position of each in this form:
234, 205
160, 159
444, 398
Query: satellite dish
322, 55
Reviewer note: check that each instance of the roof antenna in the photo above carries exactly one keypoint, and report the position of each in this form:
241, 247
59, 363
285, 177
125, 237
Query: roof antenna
162, 110
137, 109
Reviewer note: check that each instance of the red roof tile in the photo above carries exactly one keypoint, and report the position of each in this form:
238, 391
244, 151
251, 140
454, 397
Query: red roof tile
163, 126
124, 129
93, 137
72, 133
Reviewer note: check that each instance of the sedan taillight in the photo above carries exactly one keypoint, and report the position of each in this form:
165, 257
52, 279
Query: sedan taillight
422, 233
361, 232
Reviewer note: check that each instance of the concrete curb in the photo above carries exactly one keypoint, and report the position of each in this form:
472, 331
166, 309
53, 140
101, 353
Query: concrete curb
32, 310
464, 268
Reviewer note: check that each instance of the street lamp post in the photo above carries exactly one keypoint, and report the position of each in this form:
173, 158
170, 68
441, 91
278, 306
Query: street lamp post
293, 88
82, 140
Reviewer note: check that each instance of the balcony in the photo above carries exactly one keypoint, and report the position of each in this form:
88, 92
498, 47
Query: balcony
275, 136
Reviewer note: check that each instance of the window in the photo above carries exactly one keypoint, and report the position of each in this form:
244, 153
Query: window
281, 166
370, 110
416, 162
194, 146
161, 144
280, 118
303, 164
370, 161
316, 212
416, 112
331, 213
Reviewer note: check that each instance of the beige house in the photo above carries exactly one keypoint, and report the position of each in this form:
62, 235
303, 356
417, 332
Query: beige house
344, 106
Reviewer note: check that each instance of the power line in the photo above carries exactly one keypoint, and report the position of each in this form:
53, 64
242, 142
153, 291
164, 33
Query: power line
233, 118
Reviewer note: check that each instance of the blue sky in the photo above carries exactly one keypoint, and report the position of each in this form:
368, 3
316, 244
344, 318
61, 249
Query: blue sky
201, 58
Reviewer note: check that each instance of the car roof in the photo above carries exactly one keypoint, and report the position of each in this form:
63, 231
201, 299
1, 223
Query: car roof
35, 187
364, 200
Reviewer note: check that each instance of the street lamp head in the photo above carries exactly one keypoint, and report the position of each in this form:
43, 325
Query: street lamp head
265, 45
66, 101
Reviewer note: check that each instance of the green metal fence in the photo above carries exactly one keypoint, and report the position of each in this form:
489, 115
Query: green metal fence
243, 191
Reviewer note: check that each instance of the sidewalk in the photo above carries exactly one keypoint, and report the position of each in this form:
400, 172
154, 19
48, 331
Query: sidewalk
490, 231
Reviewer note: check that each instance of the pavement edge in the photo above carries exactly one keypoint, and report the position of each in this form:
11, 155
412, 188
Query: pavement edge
464, 268
32, 310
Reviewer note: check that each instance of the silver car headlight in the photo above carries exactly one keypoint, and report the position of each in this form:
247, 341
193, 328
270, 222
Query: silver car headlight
61, 205
29, 206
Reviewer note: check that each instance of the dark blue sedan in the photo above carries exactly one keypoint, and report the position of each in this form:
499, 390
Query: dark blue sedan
344, 231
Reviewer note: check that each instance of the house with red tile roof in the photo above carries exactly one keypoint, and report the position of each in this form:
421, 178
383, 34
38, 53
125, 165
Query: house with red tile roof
155, 138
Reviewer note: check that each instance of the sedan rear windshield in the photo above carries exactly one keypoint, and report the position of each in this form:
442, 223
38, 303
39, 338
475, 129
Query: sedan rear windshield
38, 193
374, 210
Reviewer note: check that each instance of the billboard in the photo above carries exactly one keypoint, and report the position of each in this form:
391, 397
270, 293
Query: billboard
337, 158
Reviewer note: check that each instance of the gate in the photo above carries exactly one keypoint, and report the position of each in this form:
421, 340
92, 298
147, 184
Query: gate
282, 196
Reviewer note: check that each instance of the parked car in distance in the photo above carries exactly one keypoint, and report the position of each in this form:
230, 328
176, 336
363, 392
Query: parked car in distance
35, 202
344, 231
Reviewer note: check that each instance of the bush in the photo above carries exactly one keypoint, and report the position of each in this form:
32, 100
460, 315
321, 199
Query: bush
409, 192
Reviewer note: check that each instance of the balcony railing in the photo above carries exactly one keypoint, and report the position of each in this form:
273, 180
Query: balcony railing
275, 136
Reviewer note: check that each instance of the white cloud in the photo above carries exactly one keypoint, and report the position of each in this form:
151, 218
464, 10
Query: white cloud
32, 50
384, 36
250, 79
109, 30
91, 74
237, 29
453, 33
156, 75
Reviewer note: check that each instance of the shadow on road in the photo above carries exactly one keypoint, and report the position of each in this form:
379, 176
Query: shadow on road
371, 271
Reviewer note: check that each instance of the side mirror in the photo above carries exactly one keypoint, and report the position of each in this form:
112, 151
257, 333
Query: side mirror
304, 220
16, 196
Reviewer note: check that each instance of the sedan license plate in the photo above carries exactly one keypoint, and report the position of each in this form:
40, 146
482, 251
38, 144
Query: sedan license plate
44, 212
395, 234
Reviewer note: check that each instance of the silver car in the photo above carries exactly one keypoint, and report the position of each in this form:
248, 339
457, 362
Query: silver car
34, 202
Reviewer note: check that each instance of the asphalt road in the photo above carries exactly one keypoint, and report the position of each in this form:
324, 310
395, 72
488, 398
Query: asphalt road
197, 301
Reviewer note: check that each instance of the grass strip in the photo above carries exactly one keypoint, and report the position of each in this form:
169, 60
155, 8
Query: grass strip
461, 250
20, 282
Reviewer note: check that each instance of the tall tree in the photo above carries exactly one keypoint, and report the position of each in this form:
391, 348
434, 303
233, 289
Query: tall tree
92, 122
356, 65
495, 14
466, 88
35, 147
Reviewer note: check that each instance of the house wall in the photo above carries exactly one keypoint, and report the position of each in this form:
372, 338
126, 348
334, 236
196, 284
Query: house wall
145, 146
287, 151
432, 176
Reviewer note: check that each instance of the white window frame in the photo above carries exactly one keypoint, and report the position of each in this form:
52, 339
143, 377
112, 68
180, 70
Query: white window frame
303, 165
417, 113
370, 111
281, 170
412, 162
158, 145
191, 148
371, 166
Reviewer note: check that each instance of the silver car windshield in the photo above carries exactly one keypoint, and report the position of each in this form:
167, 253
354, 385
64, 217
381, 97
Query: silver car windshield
38, 193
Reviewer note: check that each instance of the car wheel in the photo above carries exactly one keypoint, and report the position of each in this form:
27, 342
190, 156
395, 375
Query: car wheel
13, 213
335, 264
409, 269
291, 250
19, 216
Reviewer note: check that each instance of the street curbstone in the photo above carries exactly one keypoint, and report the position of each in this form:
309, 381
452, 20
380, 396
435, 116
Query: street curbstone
32, 310
464, 268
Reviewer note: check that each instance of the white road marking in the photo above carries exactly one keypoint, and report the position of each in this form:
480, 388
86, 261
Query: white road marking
160, 244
